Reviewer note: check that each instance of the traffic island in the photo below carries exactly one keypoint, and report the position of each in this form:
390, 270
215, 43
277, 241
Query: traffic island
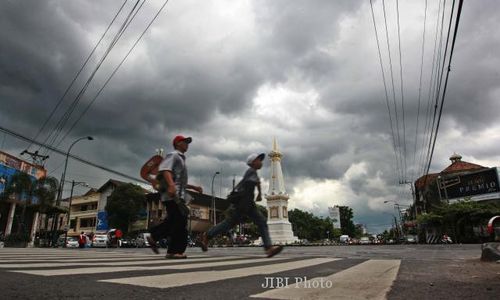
490, 251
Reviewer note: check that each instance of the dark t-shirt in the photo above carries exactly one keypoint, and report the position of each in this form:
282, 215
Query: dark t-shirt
247, 186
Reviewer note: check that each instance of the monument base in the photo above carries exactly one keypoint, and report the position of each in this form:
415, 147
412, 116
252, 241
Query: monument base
281, 232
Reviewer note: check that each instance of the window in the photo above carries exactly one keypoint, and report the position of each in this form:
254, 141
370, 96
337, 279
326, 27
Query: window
285, 212
274, 212
87, 222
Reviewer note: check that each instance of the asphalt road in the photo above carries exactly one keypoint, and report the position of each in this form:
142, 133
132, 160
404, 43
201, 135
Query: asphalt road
328, 272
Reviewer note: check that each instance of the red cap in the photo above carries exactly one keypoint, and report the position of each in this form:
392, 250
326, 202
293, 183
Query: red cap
180, 138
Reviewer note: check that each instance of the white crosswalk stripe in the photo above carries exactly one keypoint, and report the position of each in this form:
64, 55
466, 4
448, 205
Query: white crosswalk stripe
131, 269
376, 277
174, 280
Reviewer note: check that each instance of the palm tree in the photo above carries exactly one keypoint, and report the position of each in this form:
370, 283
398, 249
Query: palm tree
20, 187
46, 191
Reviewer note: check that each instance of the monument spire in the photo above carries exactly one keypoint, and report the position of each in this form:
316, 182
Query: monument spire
280, 229
277, 183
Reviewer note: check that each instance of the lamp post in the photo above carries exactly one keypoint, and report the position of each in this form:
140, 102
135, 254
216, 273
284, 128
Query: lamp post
68, 223
213, 197
398, 207
61, 184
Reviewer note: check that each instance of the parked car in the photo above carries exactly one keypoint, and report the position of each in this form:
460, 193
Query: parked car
364, 240
100, 240
72, 242
141, 240
411, 239
344, 239
127, 243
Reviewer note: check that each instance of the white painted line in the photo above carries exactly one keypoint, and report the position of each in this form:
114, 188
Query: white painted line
57, 259
181, 279
118, 262
183, 264
371, 279
77, 259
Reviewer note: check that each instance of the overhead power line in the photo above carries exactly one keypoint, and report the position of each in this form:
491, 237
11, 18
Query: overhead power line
77, 74
415, 166
385, 90
84, 161
400, 175
64, 119
115, 70
457, 21
402, 96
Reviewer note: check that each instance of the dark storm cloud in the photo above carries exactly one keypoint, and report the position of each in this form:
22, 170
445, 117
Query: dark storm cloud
191, 77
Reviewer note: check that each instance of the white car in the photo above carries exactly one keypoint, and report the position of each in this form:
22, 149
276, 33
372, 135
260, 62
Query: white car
100, 240
364, 241
72, 242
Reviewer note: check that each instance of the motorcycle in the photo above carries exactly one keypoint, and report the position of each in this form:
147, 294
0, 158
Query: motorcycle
446, 240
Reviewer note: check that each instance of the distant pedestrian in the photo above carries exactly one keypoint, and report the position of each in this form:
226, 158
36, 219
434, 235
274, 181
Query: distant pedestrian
82, 240
243, 204
173, 180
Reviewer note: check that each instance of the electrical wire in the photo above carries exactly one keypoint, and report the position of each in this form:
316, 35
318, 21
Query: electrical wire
419, 95
77, 75
393, 91
115, 70
62, 122
402, 96
457, 21
385, 89
58, 151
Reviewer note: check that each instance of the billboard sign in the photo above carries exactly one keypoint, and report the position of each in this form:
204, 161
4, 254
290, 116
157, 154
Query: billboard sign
334, 213
480, 185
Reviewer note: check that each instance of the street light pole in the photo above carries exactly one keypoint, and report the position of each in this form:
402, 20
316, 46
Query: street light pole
68, 223
63, 176
213, 197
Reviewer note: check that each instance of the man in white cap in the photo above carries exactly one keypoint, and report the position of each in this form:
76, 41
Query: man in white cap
243, 204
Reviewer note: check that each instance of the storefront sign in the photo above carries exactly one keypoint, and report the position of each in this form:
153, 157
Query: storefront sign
470, 185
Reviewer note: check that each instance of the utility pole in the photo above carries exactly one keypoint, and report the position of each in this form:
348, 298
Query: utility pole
37, 159
413, 196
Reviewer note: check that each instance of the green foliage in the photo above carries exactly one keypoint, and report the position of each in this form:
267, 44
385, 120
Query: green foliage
307, 226
20, 183
346, 222
459, 218
124, 205
46, 192
430, 219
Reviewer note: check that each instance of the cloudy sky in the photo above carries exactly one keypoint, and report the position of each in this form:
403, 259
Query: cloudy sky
236, 74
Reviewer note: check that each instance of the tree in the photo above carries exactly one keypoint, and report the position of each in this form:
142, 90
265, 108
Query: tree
346, 222
46, 192
459, 218
124, 205
308, 226
20, 186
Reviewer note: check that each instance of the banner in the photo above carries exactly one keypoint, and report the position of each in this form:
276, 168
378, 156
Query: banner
334, 213
102, 221
469, 185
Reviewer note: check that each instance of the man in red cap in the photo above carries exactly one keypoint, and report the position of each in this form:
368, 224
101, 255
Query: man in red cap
173, 178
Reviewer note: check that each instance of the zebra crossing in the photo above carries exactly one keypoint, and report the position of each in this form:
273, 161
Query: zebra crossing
281, 277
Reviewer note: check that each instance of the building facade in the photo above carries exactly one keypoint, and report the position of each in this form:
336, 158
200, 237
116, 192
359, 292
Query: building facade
461, 180
14, 206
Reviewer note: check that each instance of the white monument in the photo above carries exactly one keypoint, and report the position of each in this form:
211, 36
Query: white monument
280, 229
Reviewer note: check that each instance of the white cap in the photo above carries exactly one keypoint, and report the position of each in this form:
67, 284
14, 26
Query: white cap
254, 156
